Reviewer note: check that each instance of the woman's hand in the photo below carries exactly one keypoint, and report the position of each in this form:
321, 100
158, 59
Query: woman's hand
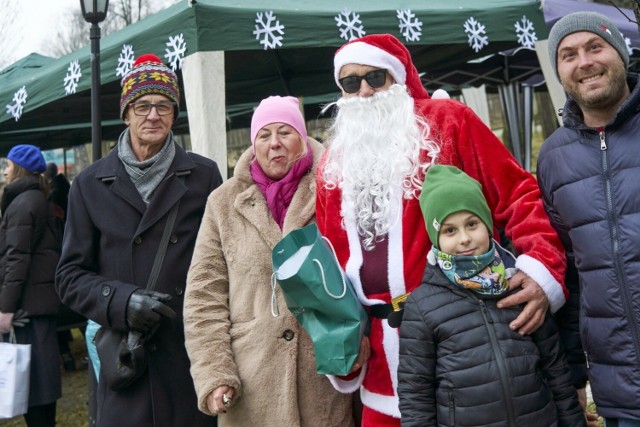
216, 400
363, 354
6, 320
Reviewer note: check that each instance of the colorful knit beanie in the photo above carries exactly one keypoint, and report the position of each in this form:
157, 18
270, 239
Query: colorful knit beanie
447, 190
149, 76
592, 22
29, 157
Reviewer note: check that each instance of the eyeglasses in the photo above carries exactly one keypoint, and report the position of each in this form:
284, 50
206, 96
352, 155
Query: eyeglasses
144, 108
375, 79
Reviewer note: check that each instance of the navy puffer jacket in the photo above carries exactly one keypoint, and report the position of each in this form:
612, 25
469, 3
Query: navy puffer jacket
590, 182
461, 364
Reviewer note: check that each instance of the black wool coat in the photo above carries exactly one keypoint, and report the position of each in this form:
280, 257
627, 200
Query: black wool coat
111, 240
460, 364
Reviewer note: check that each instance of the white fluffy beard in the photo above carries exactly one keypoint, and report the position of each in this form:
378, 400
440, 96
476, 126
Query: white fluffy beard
374, 157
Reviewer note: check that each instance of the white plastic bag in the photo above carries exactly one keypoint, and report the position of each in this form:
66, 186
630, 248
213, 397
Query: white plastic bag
15, 361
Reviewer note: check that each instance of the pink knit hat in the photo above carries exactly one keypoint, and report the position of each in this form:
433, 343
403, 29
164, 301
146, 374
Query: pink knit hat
278, 109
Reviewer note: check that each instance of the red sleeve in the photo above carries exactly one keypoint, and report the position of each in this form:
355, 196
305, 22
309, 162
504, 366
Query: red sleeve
511, 192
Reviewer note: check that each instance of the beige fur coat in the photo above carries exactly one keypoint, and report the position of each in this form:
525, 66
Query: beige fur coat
231, 336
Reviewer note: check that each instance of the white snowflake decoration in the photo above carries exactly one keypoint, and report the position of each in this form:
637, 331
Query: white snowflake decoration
351, 26
20, 98
476, 34
410, 26
526, 32
176, 48
268, 32
125, 60
72, 78
627, 41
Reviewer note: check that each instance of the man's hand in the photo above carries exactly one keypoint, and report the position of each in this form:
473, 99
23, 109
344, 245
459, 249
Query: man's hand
533, 296
146, 308
590, 417
363, 354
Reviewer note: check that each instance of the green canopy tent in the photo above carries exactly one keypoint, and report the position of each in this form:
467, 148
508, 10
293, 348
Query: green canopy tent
285, 48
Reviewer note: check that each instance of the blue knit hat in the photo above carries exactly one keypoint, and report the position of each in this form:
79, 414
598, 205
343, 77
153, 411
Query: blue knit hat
29, 157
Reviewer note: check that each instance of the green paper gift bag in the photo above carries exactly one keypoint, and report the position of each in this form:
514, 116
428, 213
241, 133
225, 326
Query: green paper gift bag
320, 296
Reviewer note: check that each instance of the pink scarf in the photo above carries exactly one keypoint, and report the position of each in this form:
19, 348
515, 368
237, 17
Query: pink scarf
280, 193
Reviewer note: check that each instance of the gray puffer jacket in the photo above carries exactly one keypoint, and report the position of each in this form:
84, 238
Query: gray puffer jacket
590, 182
461, 365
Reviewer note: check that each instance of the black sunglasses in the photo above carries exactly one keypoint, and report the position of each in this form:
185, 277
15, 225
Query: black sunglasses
375, 79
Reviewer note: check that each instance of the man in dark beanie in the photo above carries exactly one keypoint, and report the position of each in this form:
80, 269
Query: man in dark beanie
588, 172
132, 222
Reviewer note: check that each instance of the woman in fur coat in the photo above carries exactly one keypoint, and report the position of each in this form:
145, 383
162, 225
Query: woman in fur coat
248, 366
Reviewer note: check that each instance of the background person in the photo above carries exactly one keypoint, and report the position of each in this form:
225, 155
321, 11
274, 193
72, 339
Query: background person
29, 253
118, 208
460, 363
386, 134
594, 204
264, 364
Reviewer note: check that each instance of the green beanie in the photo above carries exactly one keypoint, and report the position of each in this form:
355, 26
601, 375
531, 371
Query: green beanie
448, 190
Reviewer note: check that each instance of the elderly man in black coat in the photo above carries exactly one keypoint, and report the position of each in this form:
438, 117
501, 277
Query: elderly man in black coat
118, 209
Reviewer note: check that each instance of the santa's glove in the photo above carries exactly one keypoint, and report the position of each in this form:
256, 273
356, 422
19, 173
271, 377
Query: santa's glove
146, 309
20, 319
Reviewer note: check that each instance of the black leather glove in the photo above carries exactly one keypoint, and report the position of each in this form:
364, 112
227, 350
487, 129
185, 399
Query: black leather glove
20, 318
146, 308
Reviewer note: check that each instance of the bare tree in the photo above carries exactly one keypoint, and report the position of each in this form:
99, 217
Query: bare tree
75, 33
10, 36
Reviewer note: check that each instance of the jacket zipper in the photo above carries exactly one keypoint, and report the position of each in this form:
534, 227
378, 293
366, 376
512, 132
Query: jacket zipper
502, 369
615, 243
452, 409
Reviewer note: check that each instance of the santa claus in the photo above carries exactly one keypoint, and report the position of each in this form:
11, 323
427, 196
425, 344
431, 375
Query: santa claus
386, 133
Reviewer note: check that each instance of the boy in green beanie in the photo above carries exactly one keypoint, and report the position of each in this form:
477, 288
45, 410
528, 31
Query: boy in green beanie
460, 363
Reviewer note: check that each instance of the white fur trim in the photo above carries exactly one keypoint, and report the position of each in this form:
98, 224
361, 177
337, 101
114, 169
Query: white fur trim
391, 345
440, 94
350, 386
366, 54
395, 266
538, 272
388, 405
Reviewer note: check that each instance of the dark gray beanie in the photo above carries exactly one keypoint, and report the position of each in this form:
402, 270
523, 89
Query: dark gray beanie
592, 22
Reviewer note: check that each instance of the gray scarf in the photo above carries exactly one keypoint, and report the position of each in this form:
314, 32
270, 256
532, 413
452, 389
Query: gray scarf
146, 175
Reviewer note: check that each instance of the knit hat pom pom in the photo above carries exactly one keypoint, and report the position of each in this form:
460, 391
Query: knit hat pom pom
147, 57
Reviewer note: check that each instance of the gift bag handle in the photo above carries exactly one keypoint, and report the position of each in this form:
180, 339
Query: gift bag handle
324, 281
274, 299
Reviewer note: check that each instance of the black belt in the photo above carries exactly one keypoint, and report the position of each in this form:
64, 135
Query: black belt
392, 312
381, 311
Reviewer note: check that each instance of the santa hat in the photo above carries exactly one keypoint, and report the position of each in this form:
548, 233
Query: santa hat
149, 76
381, 51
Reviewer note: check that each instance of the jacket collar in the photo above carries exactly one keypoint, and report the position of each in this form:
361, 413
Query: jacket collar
111, 172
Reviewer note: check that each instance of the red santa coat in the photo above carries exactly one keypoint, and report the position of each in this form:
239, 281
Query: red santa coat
514, 199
